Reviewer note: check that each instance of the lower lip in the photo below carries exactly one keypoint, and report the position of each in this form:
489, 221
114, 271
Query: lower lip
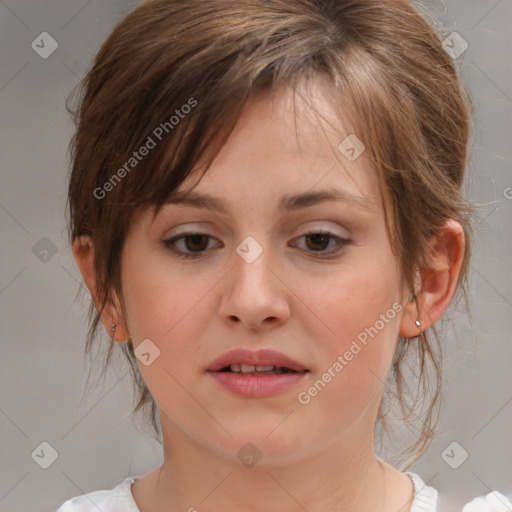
256, 386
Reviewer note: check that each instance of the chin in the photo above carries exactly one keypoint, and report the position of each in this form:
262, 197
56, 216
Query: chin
270, 446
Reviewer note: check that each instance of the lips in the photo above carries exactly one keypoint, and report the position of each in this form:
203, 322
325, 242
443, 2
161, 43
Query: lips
261, 358
256, 374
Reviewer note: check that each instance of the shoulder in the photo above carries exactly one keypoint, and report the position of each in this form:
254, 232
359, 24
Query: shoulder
118, 498
492, 502
427, 499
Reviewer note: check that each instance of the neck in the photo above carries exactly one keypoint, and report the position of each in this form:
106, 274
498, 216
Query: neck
344, 476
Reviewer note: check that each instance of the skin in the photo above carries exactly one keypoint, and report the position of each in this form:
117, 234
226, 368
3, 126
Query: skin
320, 455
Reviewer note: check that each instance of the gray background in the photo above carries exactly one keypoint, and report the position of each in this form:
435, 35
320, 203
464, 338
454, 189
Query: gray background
43, 330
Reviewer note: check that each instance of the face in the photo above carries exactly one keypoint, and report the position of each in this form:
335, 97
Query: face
316, 281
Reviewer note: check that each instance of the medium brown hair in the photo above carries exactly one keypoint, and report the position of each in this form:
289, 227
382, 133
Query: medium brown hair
386, 63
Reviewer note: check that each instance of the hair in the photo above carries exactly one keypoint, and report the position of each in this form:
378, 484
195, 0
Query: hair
386, 63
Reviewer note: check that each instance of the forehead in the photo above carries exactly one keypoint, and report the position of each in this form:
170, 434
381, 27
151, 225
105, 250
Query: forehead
290, 136
285, 144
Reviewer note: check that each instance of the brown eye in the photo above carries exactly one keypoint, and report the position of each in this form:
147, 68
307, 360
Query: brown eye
188, 245
319, 241
196, 242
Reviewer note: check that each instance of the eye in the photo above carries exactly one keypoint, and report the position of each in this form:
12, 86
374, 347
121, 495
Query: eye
318, 241
194, 242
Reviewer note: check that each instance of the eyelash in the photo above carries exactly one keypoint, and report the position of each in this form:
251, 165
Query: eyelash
171, 242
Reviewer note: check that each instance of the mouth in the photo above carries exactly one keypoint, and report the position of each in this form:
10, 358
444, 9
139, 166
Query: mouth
246, 362
256, 374
249, 369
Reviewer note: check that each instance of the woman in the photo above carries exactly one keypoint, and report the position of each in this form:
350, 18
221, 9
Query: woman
264, 302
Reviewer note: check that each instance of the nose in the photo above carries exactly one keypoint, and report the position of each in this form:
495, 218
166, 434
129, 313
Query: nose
255, 294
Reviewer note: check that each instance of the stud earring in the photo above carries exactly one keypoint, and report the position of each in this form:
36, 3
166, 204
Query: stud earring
418, 325
113, 331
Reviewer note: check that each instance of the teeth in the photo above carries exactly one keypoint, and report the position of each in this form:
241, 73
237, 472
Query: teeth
264, 368
249, 368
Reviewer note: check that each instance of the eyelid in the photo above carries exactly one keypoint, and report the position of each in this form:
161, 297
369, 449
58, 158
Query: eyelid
341, 243
331, 228
319, 227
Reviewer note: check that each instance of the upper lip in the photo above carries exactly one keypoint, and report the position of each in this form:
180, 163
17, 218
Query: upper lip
262, 357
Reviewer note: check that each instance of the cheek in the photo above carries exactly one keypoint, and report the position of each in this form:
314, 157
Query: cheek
160, 297
168, 307
359, 321
352, 297
172, 311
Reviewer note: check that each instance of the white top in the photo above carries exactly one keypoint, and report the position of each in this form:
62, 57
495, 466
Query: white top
120, 498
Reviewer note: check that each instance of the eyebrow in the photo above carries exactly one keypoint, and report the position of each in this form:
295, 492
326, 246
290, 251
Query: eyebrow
288, 203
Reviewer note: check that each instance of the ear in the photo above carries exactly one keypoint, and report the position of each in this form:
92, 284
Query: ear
83, 251
438, 281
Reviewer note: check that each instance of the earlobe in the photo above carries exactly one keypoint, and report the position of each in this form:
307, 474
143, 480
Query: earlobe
438, 282
114, 327
409, 327
83, 252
